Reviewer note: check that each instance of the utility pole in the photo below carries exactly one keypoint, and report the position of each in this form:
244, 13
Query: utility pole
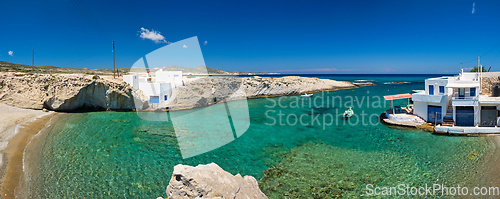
480, 70
114, 59
33, 60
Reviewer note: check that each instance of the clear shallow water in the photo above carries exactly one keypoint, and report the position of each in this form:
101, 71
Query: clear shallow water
116, 154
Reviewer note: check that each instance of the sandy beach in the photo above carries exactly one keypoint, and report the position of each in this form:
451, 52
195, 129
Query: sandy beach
17, 127
490, 175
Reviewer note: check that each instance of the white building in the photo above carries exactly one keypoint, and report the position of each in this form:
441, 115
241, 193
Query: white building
173, 77
457, 101
158, 88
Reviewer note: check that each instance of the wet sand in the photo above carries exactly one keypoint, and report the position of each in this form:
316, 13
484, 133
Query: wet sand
17, 127
491, 175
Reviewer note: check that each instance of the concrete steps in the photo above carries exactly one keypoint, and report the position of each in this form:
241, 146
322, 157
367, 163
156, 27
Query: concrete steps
448, 118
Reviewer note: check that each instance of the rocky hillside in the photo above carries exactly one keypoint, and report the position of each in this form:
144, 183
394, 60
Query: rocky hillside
488, 83
196, 70
11, 67
64, 92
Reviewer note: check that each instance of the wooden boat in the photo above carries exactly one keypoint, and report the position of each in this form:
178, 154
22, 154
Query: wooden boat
306, 95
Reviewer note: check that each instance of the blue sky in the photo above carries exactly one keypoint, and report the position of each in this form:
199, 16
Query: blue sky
270, 36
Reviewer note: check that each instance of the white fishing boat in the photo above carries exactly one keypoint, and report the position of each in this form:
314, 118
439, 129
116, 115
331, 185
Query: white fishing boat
306, 95
348, 113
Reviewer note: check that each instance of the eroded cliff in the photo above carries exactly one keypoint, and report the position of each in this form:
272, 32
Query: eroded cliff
64, 92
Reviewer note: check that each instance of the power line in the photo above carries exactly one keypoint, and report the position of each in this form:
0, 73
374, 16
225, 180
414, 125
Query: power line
487, 52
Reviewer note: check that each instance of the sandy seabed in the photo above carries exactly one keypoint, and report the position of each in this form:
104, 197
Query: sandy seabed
17, 127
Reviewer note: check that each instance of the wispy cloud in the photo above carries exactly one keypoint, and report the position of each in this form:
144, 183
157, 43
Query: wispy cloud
152, 35
184, 46
473, 7
11, 53
205, 43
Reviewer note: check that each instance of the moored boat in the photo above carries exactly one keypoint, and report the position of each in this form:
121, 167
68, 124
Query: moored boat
306, 95
348, 113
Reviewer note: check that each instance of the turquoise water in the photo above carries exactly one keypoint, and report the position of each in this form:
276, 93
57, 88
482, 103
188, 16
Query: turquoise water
116, 154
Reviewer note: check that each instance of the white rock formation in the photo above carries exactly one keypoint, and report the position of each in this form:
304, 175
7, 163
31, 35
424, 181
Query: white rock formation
64, 92
211, 181
68, 92
205, 91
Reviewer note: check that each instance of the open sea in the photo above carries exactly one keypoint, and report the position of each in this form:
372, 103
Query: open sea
120, 155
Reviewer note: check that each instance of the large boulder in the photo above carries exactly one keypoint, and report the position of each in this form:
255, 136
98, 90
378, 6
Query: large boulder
211, 181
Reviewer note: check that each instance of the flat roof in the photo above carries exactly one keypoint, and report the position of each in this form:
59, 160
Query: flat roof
459, 84
442, 78
486, 99
398, 96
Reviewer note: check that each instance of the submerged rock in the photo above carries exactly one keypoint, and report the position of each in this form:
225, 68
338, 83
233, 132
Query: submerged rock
211, 181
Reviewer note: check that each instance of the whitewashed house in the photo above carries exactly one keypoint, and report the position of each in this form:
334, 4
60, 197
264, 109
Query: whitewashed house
173, 77
158, 88
432, 103
457, 101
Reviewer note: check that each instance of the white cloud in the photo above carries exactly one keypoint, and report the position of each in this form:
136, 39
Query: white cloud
473, 7
153, 35
185, 46
205, 43
11, 53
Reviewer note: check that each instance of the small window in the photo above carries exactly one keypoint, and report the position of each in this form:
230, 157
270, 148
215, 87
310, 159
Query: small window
461, 92
431, 89
472, 92
154, 99
441, 89
165, 97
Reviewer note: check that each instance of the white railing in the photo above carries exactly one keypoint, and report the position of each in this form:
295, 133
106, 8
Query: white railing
422, 97
464, 98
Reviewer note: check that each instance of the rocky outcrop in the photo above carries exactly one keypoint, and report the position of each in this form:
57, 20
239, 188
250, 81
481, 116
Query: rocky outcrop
69, 92
205, 91
211, 181
63, 92
267, 86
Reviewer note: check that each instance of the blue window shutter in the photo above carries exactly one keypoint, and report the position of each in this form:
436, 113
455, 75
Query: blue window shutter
431, 89
472, 91
441, 89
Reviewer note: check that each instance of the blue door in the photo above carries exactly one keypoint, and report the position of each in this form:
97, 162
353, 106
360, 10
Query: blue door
434, 114
465, 116
431, 89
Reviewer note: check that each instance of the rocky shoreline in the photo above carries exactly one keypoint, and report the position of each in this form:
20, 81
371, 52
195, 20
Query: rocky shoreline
73, 92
